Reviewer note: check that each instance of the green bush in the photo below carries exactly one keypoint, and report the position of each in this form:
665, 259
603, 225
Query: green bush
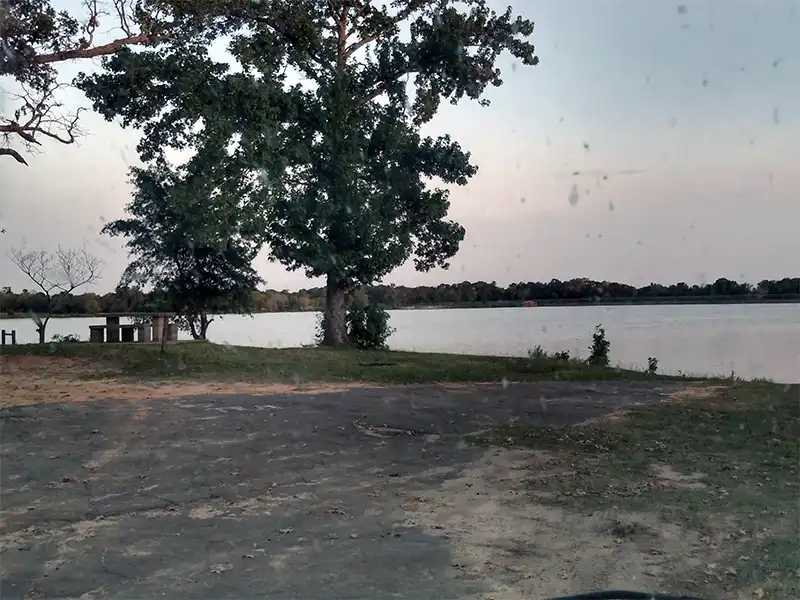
652, 365
537, 352
69, 338
368, 326
540, 353
600, 349
319, 328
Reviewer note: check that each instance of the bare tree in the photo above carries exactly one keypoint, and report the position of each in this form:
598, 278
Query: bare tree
57, 275
34, 37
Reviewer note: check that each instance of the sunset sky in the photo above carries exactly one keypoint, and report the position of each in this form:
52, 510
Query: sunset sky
682, 119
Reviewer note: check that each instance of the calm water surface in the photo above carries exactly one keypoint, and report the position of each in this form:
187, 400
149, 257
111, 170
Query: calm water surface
752, 340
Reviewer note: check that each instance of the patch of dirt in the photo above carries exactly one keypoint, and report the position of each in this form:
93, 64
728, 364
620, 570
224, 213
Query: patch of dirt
66, 539
205, 513
500, 534
27, 380
670, 477
51, 364
616, 415
693, 392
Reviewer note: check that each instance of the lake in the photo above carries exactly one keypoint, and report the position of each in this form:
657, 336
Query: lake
752, 340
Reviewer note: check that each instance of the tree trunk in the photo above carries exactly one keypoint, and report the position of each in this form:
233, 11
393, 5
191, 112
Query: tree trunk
334, 323
190, 319
204, 323
41, 328
198, 325
164, 334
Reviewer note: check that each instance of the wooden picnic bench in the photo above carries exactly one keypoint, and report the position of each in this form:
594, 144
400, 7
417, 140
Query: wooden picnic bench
113, 332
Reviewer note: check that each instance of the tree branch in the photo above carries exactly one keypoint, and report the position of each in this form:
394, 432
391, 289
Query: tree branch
393, 22
79, 268
35, 265
298, 46
38, 117
382, 86
13, 154
34, 39
62, 272
96, 51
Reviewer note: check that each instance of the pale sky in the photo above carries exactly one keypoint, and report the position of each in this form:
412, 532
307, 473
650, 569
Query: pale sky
690, 108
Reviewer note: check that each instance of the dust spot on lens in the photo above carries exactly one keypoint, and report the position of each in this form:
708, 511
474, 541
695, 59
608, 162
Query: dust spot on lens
574, 196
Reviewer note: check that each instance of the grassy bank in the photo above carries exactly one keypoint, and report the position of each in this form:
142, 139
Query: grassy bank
301, 365
723, 466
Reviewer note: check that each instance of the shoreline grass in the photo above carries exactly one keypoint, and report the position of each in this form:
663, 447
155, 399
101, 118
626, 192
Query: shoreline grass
302, 365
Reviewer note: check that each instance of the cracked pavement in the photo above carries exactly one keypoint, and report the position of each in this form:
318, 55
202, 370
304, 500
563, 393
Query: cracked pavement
254, 496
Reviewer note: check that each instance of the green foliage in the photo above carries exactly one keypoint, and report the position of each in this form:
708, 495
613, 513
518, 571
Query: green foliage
540, 353
69, 338
537, 352
652, 365
600, 349
368, 326
340, 157
319, 329
36, 37
31, 27
193, 238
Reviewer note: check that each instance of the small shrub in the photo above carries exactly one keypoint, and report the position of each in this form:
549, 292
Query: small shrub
368, 326
69, 338
540, 353
652, 365
319, 329
622, 529
537, 352
600, 349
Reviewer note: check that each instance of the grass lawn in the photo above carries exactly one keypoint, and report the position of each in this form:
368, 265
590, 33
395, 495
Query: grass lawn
303, 365
724, 466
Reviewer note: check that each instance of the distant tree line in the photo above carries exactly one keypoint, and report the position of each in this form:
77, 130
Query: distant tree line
465, 294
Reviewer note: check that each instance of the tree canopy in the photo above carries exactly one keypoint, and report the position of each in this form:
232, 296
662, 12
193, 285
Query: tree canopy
325, 112
35, 38
193, 241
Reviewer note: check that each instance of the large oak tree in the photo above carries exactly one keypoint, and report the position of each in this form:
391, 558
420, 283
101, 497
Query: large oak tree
327, 109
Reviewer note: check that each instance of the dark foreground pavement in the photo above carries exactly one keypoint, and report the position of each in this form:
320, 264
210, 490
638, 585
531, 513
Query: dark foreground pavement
252, 497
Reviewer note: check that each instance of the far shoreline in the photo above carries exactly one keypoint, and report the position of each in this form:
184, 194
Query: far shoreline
500, 304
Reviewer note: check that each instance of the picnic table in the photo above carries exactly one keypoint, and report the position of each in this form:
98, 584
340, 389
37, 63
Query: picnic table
150, 330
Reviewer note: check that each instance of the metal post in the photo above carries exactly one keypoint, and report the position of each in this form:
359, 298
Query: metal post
12, 334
